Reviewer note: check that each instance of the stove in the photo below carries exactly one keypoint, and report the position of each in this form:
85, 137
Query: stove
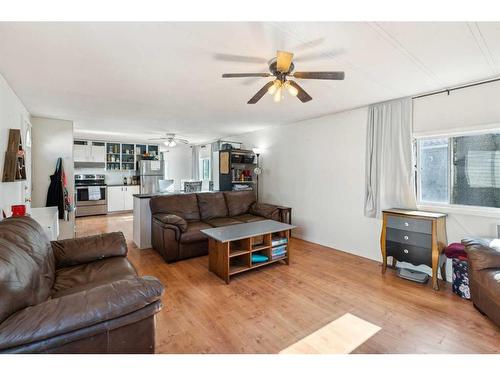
91, 195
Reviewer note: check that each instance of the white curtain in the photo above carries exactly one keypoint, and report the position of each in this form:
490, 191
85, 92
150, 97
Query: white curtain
389, 174
195, 163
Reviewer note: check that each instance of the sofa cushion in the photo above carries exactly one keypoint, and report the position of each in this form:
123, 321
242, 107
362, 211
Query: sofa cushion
239, 202
74, 279
248, 218
171, 219
212, 205
27, 265
193, 234
223, 221
80, 311
183, 205
74, 251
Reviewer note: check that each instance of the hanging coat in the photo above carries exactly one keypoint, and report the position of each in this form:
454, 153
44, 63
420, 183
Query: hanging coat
55, 194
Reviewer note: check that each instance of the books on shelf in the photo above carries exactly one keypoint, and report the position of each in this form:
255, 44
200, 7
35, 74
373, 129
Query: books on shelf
279, 251
259, 258
240, 187
276, 241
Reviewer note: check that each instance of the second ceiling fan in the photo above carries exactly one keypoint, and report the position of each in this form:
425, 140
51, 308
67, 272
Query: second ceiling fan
281, 67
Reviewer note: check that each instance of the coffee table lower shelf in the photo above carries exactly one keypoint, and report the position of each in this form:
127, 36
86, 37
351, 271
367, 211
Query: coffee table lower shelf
230, 258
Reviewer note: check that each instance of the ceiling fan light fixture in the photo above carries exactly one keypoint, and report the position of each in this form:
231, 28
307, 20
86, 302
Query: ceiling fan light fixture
277, 95
170, 143
291, 90
276, 85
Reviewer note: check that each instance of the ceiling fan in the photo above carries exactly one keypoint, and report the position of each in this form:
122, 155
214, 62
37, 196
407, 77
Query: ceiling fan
281, 67
170, 140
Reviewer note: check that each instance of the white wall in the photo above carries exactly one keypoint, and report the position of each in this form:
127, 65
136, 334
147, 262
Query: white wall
317, 167
179, 166
12, 116
52, 139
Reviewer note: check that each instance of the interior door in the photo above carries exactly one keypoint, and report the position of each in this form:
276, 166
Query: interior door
26, 141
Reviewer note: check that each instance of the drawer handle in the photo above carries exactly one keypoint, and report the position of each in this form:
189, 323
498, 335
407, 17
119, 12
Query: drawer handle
406, 238
407, 224
405, 251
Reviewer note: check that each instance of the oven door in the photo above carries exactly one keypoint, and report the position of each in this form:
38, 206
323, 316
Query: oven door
85, 196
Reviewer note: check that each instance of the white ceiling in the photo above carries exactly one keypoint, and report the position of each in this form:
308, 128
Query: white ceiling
145, 79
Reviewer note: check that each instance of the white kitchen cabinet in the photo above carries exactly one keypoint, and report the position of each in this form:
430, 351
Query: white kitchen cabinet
80, 151
115, 198
120, 198
129, 196
98, 152
89, 151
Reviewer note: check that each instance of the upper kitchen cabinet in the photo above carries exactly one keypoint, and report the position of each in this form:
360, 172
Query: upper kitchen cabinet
80, 151
128, 157
153, 151
98, 152
113, 152
114, 156
89, 154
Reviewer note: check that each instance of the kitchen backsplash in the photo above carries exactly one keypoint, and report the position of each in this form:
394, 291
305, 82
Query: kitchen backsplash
112, 178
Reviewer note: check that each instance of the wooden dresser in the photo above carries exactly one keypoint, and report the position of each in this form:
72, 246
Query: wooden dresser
415, 237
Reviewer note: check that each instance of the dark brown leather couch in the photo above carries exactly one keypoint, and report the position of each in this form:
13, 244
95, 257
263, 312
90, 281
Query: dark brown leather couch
484, 277
73, 296
178, 219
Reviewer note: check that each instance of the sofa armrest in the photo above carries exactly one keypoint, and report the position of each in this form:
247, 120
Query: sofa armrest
76, 251
77, 311
480, 255
269, 211
170, 219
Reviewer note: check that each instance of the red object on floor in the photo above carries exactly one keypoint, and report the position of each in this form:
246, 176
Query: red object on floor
18, 210
455, 250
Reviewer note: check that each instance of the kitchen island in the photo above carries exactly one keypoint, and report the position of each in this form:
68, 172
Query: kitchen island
142, 217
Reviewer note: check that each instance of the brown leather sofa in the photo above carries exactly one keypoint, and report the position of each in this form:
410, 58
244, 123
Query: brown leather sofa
484, 276
72, 296
178, 219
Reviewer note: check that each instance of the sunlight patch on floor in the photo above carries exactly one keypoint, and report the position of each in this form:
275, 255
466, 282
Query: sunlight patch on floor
341, 336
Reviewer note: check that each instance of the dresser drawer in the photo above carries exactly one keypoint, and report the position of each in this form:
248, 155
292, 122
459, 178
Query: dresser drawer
409, 238
409, 224
415, 255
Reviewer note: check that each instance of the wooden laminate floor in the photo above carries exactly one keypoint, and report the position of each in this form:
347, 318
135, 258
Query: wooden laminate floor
269, 309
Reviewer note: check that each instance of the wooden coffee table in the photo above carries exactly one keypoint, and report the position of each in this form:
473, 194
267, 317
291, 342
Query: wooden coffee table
230, 248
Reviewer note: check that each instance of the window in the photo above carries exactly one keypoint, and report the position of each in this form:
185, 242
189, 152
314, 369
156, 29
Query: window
461, 170
205, 169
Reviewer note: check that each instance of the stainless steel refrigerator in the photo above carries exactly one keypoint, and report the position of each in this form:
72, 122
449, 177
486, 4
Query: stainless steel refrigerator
150, 173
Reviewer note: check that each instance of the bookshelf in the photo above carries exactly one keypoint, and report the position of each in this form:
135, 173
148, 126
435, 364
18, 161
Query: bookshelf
227, 259
14, 168
236, 170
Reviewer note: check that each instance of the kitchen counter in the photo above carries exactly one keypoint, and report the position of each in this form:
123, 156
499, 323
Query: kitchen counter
122, 185
151, 195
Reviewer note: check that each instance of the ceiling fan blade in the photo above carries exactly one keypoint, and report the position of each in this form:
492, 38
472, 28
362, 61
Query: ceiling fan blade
240, 58
185, 141
243, 75
302, 95
319, 75
284, 59
260, 93
157, 139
